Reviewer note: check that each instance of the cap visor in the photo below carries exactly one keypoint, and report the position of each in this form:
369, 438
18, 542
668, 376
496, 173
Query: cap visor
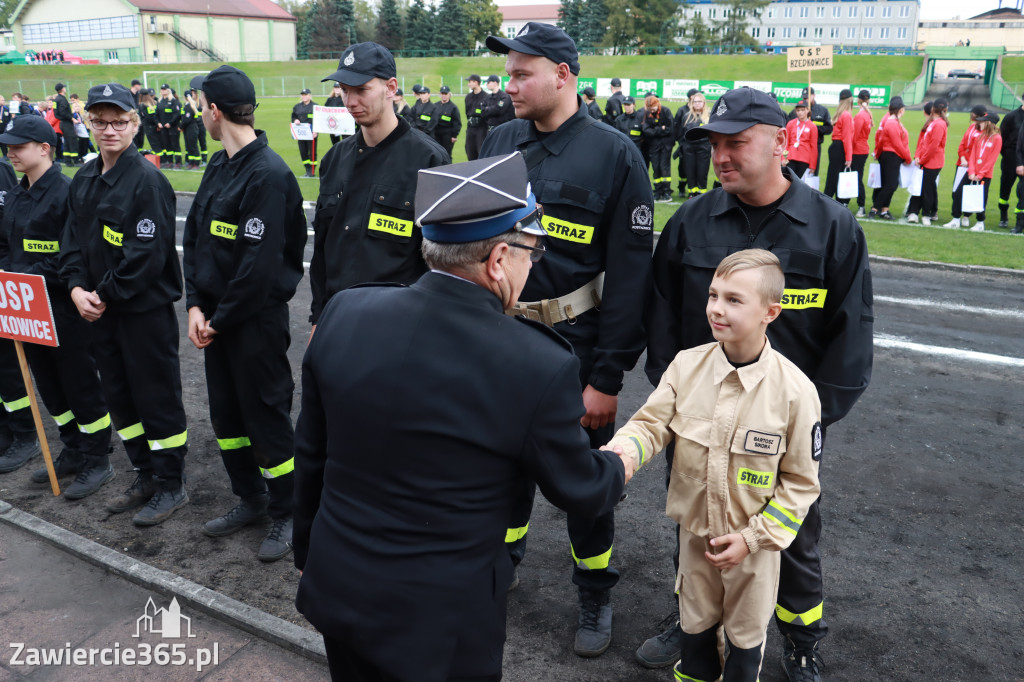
723, 127
8, 138
506, 45
534, 228
120, 105
350, 78
197, 82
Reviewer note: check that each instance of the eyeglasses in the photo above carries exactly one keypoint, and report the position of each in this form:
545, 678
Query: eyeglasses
118, 125
536, 252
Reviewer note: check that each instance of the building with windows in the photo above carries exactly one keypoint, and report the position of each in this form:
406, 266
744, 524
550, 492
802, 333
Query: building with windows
155, 31
517, 13
1002, 27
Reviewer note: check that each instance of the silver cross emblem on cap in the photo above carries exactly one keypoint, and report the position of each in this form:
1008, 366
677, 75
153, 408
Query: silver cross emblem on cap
523, 32
721, 109
107, 92
350, 59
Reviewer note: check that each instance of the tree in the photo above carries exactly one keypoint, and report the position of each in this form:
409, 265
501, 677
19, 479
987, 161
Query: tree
451, 25
328, 29
419, 27
698, 33
389, 32
482, 19
739, 14
635, 25
569, 13
365, 22
586, 21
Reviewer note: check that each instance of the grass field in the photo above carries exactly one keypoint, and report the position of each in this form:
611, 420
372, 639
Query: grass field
1013, 69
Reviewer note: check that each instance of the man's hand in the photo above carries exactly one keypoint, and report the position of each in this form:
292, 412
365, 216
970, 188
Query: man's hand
735, 552
601, 408
629, 462
197, 328
1020, 170
88, 303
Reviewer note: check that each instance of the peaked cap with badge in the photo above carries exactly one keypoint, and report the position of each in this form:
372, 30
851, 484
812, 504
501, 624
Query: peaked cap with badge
362, 62
540, 40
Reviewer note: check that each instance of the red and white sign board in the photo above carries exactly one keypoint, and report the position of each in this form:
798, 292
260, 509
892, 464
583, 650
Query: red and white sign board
25, 312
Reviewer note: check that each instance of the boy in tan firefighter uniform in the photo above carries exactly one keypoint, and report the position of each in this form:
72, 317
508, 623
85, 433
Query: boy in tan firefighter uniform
746, 426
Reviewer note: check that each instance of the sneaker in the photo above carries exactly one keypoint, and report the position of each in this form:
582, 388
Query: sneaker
912, 218
955, 222
801, 665
137, 494
1003, 222
964, 222
91, 478
885, 215
68, 463
244, 513
23, 448
978, 227
164, 502
860, 212
925, 220
662, 650
594, 635
278, 542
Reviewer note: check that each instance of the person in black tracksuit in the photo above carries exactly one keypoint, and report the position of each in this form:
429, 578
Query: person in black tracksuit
62, 110
424, 112
335, 100
243, 245
694, 155
66, 375
168, 120
598, 213
825, 327
118, 258
189, 126
449, 121
476, 128
147, 114
498, 107
1010, 129
303, 113
631, 122
590, 100
18, 440
658, 133
613, 105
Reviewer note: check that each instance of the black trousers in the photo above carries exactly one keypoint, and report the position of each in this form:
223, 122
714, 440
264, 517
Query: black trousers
137, 355
661, 166
836, 165
140, 137
890, 163
67, 382
202, 138
249, 382
928, 203
798, 168
170, 146
67, 131
590, 538
308, 154
17, 408
347, 665
693, 170
1008, 167
191, 134
444, 138
858, 165
154, 139
474, 140
700, 660
958, 198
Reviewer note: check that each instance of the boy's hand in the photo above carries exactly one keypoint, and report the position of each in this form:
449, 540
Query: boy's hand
736, 550
630, 463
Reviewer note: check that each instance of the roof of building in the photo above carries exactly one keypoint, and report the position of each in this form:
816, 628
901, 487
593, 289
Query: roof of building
999, 13
250, 9
529, 12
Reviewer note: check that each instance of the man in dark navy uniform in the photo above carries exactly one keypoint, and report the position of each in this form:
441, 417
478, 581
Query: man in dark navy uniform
476, 128
425, 409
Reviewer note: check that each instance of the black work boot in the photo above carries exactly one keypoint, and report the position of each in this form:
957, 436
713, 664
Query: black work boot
68, 463
1019, 227
94, 474
663, 649
137, 494
594, 635
801, 665
169, 497
245, 512
24, 447
278, 542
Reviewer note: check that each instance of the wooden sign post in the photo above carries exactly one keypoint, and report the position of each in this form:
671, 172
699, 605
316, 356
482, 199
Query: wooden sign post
26, 316
810, 59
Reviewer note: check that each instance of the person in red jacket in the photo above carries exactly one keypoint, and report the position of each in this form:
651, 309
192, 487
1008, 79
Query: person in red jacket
961, 161
981, 160
863, 122
930, 157
801, 142
892, 148
840, 152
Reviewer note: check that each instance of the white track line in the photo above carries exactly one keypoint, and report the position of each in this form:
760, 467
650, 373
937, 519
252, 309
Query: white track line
887, 341
953, 307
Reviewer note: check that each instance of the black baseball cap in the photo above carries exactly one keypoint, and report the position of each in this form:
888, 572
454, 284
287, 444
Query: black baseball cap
738, 110
227, 87
362, 62
616, 83
136, 81
493, 79
58, 87
589, 92
111, 93
416, 89
896, 102
445, 90
424, 90
927, 108
802, 104
628, 100
165, 86
991, 117
845, 93
29, 129
541, 40
474, 77
979, 110
805, 92
398, 92
305, 91
691, 92
864, 94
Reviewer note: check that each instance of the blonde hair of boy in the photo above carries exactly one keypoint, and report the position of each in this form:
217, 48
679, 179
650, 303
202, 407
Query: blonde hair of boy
773, 280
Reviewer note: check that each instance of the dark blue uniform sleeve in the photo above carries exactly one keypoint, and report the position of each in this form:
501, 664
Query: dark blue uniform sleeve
662, 309
72, 265
310, 459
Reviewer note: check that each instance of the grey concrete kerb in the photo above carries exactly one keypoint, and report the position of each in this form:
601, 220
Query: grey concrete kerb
231, 611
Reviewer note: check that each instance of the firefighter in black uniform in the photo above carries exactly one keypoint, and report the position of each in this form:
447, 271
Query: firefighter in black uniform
303, 113
147, 114
476, 129
190, 130
631, 122
598, 213
118, 258
403, 569
498, 107
590, 100
424, 112
818, 115
137, 91
401, 107
335, 100
62, 110
243, 244
363, 229
825, 327
66, 375
1010, 128
168, 120
201, 134
658, 131
18, 441
449, 121
613, 105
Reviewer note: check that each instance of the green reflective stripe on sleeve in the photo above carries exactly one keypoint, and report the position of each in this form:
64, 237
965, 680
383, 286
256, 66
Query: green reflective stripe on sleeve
686, 678
98, 425
639, 448
133, 431
16, 405
594, 563
282, 469
63, 419
782, 517
175, 441
515, 534
233, 443
805, 618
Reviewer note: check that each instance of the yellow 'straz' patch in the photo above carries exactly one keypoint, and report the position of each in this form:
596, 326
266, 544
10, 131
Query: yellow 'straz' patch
223, 230
757, 479
113, 238
798, 299
390, 225
563, 229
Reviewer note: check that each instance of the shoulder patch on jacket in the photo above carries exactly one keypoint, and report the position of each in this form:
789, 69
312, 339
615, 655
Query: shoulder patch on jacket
816, 442
548, 331
145, 230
